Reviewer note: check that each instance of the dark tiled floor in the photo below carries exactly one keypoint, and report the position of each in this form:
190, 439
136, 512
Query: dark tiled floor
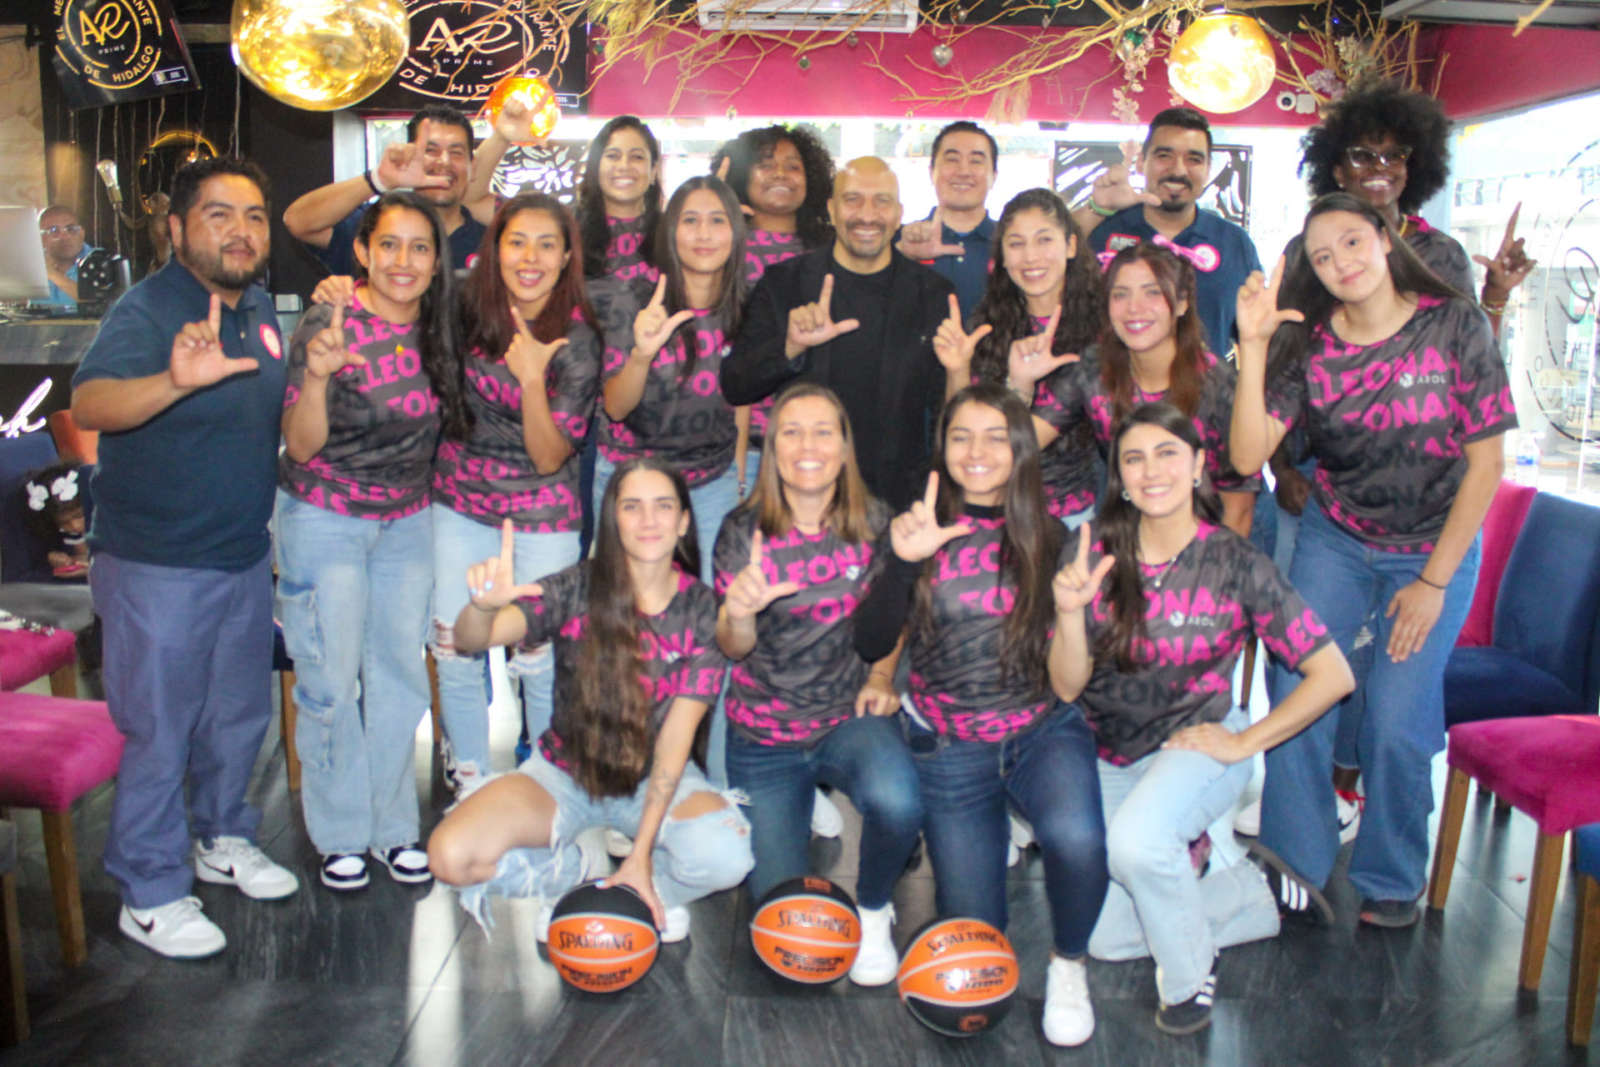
397, 975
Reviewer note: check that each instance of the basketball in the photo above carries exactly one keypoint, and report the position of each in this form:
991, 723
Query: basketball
602, 940
806, 930
958, 976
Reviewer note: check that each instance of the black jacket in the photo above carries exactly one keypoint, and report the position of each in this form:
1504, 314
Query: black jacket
893, 426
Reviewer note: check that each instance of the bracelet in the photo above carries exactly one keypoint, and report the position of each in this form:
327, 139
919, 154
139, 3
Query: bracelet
1104, 213
372, 183
1432, 585
1494, 307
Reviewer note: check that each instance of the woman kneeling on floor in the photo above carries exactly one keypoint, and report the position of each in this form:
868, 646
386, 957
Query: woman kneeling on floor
1151, 615
637, 665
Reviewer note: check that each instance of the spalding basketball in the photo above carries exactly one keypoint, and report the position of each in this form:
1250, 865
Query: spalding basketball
602, 940
958, 976
807, 930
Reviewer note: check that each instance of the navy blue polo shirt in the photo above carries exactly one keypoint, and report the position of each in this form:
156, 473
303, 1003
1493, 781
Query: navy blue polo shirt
1226, 257
340, 257
193, 486
968, 272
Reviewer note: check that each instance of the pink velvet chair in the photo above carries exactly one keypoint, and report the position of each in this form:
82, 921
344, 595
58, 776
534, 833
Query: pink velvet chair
26, 656
53, 751
1501, 526
1547, 767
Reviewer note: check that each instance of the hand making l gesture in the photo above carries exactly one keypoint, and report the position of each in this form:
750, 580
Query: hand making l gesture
328, 353
197, 358
954, 345
526, 357
1030, 358
491, 584
1075, 585
925, 239
812, 324
652, 326
916, 534
750, 592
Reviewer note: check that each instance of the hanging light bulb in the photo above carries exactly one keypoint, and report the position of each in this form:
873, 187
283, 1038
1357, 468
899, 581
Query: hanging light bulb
1222, 63
320, 55
534, 94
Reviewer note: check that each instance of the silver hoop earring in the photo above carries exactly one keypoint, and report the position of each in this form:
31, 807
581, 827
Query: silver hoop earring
1125, 495
1197, 481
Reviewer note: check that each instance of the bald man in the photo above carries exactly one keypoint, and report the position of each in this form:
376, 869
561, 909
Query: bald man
859, 318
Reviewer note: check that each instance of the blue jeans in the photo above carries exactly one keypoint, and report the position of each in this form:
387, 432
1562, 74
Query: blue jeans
692, 858
1345, 582
1157, 905
353, 597
188, 677
1048, 774
464, 687
868, 759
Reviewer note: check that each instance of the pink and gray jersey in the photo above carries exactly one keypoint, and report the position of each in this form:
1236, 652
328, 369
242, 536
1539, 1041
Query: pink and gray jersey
678, 648
625, 251
1077, 392
1387, 422
490, 476
763, 248
687, 423
802, 677
383, 421
958, 685
1202, 608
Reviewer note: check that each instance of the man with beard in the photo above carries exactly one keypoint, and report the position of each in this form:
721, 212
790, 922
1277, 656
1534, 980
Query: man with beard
1176, 163
185, 382
859, 318
436, 162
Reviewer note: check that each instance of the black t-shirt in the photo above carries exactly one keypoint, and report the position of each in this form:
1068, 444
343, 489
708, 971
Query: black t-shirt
1203, 606
802, 677
1387, 422
383, 421
678, 647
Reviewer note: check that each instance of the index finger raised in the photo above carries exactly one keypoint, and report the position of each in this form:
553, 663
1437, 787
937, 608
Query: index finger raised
1277, 274
214, 316
660, 296
825, 299
508, 542
1083, 545
519, 322
932, 494
1511, 228
955, 310
1050, 327
336, 324
755, 547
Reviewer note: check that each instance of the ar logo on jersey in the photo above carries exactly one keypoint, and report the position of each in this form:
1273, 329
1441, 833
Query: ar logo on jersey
671, 655
1176, 618
852, 572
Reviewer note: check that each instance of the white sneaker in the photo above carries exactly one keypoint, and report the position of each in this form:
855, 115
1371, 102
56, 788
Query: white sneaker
1248, 821
179, 930
1068, 1015
825, 818
468, 779
877, 962
1021, 832
677, 927
1348, 805
237, 862
1013, 854
619, 844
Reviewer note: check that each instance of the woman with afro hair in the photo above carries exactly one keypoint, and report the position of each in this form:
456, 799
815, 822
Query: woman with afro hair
783, 176
1390, 146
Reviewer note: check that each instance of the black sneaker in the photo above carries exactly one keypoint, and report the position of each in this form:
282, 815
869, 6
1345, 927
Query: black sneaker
1389, 914
1193, 1014
406, 863
1298, 900
344, 871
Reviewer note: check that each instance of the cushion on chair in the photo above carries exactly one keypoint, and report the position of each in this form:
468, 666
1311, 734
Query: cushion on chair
1586, 849
53, 750
26, 656
1550, 594
1500, 529
1548, 768
1491, 683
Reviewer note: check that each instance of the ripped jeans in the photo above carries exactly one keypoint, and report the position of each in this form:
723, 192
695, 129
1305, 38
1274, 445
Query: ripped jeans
692, 858
464, 688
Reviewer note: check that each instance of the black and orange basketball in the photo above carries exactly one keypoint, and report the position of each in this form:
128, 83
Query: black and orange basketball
807, 930
958, 976
602, 940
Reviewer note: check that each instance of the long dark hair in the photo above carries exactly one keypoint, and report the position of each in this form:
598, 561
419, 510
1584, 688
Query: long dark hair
1005, 307
435, 326
1031, 543
1187, 376
849, 511
1303, 290
486, 302
1118, 526
811, 221
610, 742
729, 305
592, 202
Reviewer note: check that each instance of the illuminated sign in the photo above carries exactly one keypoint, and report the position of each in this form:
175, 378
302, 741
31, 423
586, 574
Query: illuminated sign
108, 51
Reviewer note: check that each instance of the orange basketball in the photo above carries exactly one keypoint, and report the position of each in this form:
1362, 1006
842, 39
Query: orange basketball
807, 930
602, 940
958, 976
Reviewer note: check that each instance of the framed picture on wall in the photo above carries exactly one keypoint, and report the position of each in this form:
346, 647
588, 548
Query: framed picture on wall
1075, 165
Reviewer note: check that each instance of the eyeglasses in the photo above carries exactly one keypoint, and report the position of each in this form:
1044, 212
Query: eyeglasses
57, 231
1367, 158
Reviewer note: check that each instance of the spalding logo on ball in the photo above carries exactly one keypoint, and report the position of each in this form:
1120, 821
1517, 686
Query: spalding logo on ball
807, 930
602, 940
958, 977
